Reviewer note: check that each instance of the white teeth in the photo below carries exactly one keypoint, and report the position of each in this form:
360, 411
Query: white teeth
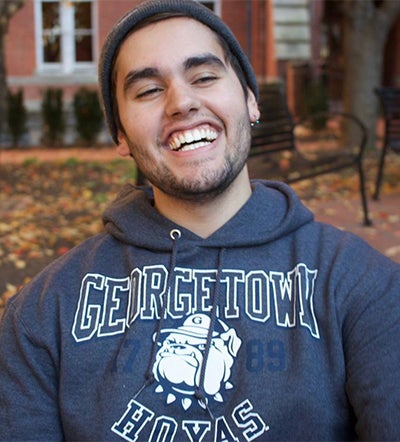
189, 137
194, 146
192, 139
181, 138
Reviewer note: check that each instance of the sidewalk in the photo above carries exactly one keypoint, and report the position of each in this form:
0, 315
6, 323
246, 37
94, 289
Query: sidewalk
341, 211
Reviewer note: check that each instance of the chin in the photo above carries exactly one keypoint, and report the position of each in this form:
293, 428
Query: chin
200, 190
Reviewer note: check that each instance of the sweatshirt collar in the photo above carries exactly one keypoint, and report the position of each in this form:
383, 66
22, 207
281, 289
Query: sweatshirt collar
272, 211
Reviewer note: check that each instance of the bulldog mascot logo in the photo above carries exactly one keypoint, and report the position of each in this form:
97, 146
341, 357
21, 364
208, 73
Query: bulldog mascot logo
180, 357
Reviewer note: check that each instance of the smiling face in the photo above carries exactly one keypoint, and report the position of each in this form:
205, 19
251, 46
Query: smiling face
184, 114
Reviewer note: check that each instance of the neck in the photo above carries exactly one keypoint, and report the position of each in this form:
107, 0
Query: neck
201, 218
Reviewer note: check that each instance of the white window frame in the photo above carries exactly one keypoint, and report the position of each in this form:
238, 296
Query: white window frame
68, 63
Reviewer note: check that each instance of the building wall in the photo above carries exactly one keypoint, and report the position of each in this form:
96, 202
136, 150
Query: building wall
20, 43
259, 26
254, 22
21, 64
21, 50
236, 18
109, 12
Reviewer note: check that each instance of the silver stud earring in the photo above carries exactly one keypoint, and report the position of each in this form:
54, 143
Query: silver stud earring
252, 124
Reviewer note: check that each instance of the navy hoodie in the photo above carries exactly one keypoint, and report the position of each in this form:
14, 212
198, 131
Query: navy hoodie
275, 327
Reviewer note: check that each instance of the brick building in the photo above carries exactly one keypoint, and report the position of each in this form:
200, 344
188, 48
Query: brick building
56, 43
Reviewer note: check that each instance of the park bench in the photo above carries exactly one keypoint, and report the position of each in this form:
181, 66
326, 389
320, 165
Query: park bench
297, 150
389, 98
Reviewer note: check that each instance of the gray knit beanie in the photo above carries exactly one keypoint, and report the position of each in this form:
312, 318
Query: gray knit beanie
147, 9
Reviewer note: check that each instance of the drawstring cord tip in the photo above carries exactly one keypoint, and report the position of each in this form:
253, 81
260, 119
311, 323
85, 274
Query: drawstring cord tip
203, 402
149, 379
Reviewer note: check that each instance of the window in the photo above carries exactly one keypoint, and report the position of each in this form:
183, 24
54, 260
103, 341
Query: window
64, 35
214, 5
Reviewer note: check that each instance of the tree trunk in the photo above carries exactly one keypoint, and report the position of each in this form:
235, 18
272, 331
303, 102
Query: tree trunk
367, 24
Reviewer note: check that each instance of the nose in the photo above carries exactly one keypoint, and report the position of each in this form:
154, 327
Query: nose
181, 100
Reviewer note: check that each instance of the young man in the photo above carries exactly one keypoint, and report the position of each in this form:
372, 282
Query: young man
212, 307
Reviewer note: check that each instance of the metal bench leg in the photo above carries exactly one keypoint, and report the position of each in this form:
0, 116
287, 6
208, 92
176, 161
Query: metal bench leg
380, 172
364, 202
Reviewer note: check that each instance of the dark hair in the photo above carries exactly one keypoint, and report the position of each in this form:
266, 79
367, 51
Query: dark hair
228, 54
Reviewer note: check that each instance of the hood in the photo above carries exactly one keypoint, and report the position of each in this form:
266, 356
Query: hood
272, 211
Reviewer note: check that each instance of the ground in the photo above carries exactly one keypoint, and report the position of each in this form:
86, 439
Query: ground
47, 207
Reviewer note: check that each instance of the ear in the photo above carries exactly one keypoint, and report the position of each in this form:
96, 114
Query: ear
122, 148
252, 106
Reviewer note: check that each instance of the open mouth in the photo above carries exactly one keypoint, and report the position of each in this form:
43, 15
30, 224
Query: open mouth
192, 139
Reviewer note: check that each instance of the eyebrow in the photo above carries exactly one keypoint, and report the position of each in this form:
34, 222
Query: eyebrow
203, 60
190, 63
139, 74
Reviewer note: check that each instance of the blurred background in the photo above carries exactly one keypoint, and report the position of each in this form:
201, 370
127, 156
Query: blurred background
322, 51
58, 169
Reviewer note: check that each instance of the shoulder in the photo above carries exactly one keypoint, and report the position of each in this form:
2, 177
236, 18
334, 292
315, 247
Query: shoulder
56, 288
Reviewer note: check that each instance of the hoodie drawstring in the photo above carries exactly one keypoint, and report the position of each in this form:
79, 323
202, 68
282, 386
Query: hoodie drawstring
149, 376
199, 393
175, 235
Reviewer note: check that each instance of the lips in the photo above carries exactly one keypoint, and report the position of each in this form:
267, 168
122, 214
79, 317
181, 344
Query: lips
192, 139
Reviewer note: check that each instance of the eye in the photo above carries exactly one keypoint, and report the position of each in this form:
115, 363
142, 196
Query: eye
148, 92
206, 79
